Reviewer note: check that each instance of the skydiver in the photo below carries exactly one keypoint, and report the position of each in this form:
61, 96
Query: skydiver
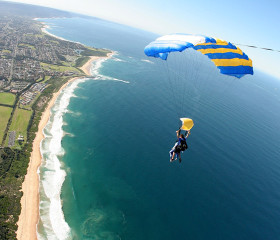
180, 146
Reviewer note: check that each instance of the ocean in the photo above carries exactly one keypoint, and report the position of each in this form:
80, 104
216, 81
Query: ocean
106, 172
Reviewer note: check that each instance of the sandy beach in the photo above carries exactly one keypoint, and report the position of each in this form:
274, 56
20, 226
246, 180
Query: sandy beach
29, 216
86, 67
30, 200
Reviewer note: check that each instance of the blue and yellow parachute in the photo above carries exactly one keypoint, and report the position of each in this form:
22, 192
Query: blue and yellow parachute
228, 58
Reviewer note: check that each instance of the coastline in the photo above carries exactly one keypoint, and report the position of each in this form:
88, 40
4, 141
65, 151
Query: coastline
44, 30
87, 66
29, 216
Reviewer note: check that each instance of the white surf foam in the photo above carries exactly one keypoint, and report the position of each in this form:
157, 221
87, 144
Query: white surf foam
95, 72
52, 174
118, 59
46, 27
146, 60
52, 224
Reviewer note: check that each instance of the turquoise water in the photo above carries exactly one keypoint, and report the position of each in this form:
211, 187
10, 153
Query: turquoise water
111, 160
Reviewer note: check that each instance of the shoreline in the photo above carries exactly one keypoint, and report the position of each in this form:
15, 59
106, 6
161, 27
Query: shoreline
87, 66
44, 30
29, 216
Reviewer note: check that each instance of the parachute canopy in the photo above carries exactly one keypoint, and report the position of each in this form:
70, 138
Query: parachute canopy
228, 58
187, 124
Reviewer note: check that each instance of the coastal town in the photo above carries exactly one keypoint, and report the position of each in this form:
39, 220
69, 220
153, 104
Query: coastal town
30, 59
28, 55
33, 66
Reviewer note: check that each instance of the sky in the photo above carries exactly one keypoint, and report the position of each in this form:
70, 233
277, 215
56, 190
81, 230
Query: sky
247, 22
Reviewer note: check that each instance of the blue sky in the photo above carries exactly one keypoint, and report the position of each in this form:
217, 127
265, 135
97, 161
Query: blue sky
240, 21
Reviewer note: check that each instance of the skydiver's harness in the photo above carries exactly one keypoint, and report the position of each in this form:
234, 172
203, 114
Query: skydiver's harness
182, 144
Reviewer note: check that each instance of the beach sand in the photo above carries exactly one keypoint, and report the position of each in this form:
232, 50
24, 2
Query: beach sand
29, 217
86, 67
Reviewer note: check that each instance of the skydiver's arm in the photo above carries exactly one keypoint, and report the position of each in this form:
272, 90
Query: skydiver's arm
178, 133
189, 132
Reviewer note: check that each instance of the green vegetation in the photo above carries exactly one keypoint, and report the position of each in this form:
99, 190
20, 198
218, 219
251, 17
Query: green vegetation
58, 68
81, 61
20, 122
13, 167
34, 35
47, 78
6, 157
5, 113
44, 79
7, 98
14, 163
26, 45
95, 52
54, 41
65, 60
40, 79
6, 51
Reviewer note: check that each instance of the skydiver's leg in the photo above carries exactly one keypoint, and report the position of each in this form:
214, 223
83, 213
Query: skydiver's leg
172, 158
172, 152
180, 159
171, 155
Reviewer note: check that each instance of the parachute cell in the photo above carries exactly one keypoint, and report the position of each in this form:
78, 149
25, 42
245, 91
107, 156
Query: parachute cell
228, 58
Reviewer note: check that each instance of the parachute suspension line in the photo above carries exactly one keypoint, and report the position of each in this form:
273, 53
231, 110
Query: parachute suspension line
183, 79
192, 80
179, 124
170, 85
184, 89
186, 78
251, 46
197, 80
176, 77
223, 90
186, 82
177, 81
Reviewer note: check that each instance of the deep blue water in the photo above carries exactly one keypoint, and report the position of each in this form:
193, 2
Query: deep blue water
120, 183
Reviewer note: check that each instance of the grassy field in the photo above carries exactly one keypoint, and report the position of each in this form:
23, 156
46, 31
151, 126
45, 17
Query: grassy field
47, 78
44, 80
7, 98
5, 113
26, 45
95, 52
81, 61
58, 68
20, 122
6, 51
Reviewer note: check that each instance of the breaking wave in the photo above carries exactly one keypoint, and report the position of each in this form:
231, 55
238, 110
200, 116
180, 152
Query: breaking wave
148, 61
52, 224
95, 72
52, 174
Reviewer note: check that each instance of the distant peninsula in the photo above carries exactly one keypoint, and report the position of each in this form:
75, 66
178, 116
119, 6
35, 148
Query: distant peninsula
33, 66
